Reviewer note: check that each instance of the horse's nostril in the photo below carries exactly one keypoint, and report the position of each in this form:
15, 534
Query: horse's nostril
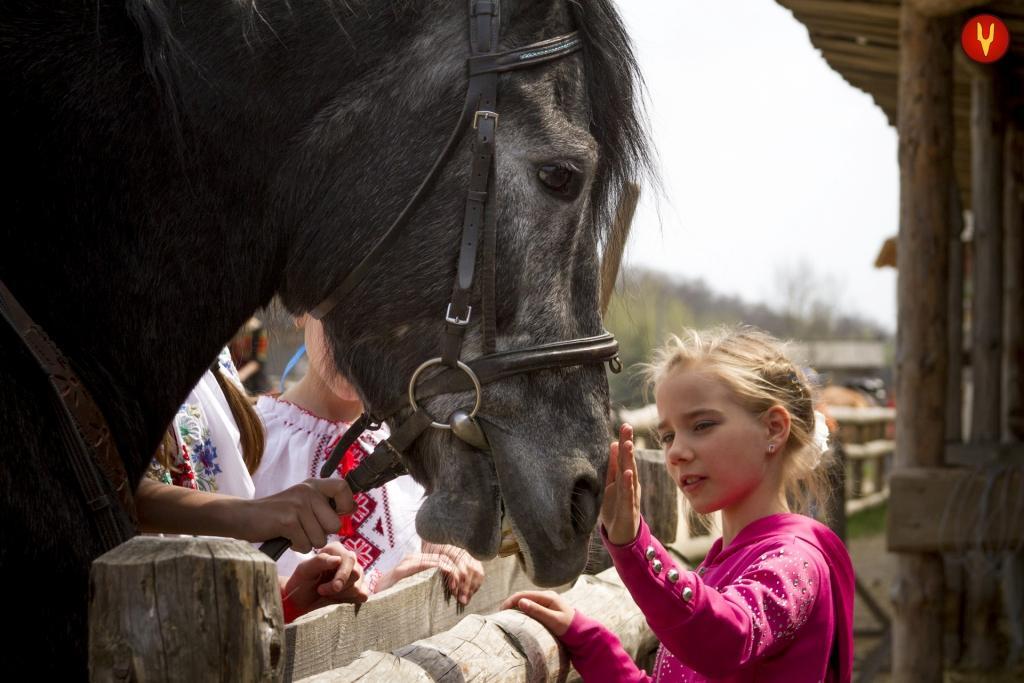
584, 504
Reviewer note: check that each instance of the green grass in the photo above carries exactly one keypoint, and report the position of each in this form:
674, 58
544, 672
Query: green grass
870, 522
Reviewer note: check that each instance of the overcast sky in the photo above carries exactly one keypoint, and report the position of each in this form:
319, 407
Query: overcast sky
768, 156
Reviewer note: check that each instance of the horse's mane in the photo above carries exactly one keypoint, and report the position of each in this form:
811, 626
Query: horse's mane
615, 87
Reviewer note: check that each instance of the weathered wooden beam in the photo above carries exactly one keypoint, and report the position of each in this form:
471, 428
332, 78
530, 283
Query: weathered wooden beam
925, 125
955, 326
987, 130
869, 501
934, 509
849, 26
1013, 361
888, 54
659, 502
506, 647
858, 416
1013, 289
185, 609
413, 609
872, 450
985, 454
872, 65
877, 12
941, 8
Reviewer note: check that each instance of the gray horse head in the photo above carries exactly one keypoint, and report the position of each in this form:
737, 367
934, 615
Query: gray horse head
567, 139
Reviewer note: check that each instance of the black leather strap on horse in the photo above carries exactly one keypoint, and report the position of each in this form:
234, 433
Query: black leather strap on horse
562, 354
94, 458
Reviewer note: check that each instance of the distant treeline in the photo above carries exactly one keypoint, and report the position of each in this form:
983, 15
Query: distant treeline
651, 306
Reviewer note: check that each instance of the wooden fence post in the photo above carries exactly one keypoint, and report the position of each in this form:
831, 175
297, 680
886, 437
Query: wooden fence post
1013, 368
986, 341
925, 125
185, 609
953, 569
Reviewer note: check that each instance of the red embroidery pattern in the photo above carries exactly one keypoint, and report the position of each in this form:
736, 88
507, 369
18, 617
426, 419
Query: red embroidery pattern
368, 528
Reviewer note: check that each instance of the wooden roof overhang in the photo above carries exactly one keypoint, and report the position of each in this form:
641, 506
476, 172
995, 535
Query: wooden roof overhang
860, 41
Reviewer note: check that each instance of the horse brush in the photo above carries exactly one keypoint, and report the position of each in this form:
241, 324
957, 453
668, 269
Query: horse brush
380, 467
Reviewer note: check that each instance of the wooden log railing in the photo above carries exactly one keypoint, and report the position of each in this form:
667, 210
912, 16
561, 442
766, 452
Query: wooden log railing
865, 447
194, 609
503, 647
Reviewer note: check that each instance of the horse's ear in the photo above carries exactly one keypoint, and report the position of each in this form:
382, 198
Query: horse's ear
611, 260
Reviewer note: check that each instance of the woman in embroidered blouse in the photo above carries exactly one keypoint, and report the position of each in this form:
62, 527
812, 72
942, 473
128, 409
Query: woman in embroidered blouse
773, 599
213, 441
302, 427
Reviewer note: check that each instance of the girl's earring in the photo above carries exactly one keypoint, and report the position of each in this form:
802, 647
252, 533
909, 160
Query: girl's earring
771, 448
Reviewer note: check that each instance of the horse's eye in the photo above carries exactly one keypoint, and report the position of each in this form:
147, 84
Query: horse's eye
562, 181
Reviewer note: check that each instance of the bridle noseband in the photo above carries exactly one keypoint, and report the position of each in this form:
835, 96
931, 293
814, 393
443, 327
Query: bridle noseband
479, 114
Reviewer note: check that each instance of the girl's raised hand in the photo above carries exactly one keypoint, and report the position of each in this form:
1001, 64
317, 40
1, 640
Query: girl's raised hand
547, 607
620, 511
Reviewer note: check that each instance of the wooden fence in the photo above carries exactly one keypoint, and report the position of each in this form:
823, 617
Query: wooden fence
195, 609
864, 444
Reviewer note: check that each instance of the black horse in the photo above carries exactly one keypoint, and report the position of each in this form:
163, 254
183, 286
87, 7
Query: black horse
171, 166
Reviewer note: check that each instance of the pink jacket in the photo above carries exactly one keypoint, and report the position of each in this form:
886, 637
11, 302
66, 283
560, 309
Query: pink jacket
776, 605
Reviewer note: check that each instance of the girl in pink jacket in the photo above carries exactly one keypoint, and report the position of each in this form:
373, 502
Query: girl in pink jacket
773, 599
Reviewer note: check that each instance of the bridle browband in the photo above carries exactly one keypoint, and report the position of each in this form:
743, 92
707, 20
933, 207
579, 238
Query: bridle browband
480, 114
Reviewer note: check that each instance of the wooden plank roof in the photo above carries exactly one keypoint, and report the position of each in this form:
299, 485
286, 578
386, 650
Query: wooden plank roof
860, 40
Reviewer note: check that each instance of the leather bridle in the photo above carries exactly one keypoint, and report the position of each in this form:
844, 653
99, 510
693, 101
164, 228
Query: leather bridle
479, 114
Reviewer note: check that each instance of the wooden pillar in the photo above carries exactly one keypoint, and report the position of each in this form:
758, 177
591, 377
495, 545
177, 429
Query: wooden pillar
986, 343
185, 609
925, 125
987, 273
1013, 310
953, 569
1013, 362
955, 332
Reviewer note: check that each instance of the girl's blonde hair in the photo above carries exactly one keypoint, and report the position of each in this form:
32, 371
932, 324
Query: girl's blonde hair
753, 364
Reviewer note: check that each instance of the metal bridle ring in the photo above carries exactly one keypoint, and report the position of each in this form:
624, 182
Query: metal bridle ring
435, 361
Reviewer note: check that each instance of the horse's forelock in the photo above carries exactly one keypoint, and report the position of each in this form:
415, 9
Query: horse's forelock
615, 89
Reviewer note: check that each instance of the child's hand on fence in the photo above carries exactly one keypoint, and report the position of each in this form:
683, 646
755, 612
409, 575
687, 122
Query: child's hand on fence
301, 513
332, 575
547, 607
469, 574
345, 584
620, 510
